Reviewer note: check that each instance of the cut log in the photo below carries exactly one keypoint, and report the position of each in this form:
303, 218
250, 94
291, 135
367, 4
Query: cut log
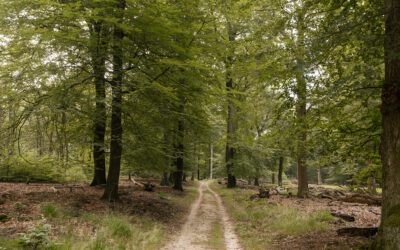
345, 217
358, 231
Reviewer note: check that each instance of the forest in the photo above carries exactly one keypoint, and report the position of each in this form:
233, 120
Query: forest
202, 124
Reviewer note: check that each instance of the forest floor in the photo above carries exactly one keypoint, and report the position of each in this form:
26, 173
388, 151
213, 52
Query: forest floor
282, 222
72, 216
208, 225
206, 216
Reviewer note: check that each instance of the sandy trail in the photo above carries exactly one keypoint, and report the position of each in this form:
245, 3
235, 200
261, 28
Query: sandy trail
197, 229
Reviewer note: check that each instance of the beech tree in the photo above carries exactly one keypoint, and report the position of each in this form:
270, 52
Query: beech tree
390, 226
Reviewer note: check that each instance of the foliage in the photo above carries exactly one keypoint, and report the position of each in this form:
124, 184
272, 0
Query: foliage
37, 238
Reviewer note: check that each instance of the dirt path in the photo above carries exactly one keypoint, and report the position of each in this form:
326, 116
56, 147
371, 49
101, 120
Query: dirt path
198, 229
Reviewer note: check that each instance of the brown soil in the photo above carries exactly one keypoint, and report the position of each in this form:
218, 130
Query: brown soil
21, 204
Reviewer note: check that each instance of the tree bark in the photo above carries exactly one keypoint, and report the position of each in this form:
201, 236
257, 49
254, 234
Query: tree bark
178, 174
231, 128
256, 182
390, 145
301, 109
280, 171
211, 160
111, 191
273, 178
98, 54
319, 179
164, 179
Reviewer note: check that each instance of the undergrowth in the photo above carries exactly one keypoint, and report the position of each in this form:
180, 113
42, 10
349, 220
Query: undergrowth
259, 224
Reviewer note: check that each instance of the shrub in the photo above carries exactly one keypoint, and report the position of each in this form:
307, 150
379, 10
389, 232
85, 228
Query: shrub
36, 238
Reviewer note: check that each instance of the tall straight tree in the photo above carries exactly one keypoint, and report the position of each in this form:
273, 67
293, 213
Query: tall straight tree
301, 109
98, 51
390, 225
111, 191
230, 120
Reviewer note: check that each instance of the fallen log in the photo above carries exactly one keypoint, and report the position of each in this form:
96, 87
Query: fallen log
358, 231
262, 193
363, 199
345, 217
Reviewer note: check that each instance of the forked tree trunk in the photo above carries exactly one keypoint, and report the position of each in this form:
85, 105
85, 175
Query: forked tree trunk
280, 171
111, 191
390, 225
98, 54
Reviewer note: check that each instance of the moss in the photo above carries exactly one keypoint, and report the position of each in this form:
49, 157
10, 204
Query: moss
393, 218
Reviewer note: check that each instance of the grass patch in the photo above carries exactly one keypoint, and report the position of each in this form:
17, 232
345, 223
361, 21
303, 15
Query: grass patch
50, 210
112, 231
119, 227
259, 224
216, 239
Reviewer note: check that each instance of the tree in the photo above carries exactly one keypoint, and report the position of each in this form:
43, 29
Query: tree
390, 224
111, 191
98, 50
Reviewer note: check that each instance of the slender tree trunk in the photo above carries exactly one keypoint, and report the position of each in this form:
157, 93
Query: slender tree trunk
280, 171
273, 178
256, 182
301, 109
231, 128
390, 147
98, 54
211, 160
319, 179
198, 167
178, 174
184, 177
164, 179
111, 191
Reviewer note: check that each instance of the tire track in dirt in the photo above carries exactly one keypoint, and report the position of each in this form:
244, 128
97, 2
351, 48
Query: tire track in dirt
196, 231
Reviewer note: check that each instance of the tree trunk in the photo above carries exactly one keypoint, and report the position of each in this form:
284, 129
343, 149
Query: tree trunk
198, 167
390, 145
111, 191
256, 182
211, 161
319, 179
280, 171
164, 179
184, 177
301, 110
178, 175
231, 128
98, 54
273, 178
